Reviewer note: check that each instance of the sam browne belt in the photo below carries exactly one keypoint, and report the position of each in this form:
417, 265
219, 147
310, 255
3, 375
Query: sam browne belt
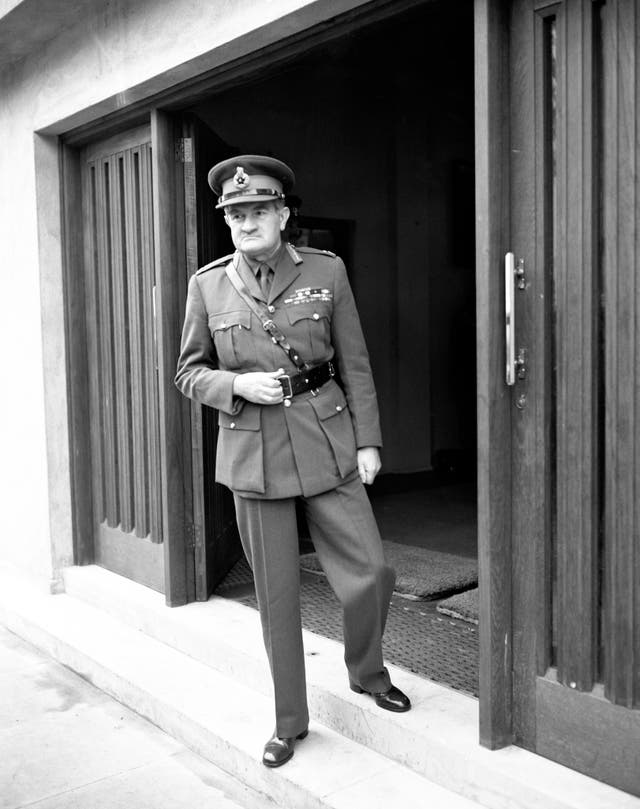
311, 379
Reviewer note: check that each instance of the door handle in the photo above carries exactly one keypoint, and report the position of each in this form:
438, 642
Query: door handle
515, 366
510, 316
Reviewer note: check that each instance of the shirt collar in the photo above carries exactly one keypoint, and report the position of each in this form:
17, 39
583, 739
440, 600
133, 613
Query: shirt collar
254, 265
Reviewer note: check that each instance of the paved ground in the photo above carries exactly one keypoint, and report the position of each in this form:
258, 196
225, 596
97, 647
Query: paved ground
66, 745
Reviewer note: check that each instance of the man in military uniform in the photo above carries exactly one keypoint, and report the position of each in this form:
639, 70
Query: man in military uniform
265, 331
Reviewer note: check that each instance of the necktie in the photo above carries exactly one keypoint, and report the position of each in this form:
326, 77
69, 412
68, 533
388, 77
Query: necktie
264, 278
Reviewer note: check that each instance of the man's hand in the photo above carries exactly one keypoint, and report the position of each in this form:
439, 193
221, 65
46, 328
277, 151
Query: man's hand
368, 464
259, 387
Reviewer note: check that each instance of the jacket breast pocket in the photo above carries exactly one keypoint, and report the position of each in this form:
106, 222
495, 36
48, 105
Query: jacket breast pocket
334, 417
311, 322
233, 339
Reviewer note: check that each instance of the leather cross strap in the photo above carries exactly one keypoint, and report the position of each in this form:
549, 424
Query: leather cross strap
262, 313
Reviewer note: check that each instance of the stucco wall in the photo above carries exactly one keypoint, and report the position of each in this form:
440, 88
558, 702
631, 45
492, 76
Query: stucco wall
123, 51
23, 515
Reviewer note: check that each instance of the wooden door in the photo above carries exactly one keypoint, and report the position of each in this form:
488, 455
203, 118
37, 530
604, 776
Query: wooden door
123, 401
217, 543
137, 428
575, 403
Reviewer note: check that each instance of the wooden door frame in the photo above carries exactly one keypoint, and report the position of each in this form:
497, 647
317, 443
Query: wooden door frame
494, 494
493, 397
174, 431
175, 426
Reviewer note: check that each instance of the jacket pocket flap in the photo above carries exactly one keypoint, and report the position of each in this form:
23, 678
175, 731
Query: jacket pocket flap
308, 311
247, 419
228, 319
328, 404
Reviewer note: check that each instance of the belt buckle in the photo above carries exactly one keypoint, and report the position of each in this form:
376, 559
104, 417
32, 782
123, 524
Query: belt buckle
281, 380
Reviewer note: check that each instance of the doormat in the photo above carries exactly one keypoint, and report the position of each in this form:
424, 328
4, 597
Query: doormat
417, 636
421, 574
461, 605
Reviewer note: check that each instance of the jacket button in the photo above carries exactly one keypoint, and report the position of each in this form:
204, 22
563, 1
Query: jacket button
271, 308
223, 325
232, 425
316, 316
287, 402
338, 408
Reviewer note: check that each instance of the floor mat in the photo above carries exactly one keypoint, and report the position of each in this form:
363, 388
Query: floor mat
417, 637
421, 573
461, 605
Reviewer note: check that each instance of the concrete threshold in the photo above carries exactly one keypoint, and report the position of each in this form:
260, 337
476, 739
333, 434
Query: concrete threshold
199, 672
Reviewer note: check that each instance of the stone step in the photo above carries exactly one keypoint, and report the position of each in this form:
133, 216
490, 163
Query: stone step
438, 739
222, 720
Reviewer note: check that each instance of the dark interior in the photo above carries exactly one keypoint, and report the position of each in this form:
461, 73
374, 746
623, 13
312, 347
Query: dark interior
379, 128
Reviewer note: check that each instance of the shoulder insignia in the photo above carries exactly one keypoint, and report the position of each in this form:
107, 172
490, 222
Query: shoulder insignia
315, 250
219, 262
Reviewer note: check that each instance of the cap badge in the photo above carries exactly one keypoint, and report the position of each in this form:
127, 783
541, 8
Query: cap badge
240, 178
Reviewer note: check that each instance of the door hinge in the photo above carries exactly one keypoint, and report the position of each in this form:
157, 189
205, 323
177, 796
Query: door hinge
190, 536
184, 150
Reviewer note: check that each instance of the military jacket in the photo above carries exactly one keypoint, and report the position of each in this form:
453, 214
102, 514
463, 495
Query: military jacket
273, 451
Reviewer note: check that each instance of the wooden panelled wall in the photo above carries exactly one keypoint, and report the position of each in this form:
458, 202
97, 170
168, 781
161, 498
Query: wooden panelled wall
575, 291
597, 354
621, 267
122, 352
592, 95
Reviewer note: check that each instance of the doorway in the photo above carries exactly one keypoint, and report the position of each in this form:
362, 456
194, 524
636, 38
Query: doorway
385, 178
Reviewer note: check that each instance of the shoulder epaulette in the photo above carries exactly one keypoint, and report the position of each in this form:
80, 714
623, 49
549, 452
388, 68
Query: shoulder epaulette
217, 263
315, 250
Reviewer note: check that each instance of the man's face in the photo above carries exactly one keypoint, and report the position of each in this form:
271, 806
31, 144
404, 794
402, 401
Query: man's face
256, 227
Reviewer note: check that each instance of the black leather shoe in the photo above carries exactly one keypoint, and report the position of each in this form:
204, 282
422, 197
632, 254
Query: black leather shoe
278, 751
391, 700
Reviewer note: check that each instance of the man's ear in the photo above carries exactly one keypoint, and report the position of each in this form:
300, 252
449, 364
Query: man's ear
285, 213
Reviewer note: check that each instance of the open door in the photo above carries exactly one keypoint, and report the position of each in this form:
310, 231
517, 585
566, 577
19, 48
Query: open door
217, 544
123, 393
574, 372
135, 431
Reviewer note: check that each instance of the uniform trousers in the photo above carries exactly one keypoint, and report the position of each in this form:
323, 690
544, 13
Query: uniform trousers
348, 545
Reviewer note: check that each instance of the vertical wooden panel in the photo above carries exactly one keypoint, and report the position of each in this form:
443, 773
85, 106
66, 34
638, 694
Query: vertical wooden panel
134, 271
120, 320
77, 242
494, 474
537, 299
576, 353
121, 367
195, 489
105, 365
621, 29
96, 429
527, 395
174, 421
151, 349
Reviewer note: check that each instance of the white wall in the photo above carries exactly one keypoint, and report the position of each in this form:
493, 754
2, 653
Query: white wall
23, 484
125, 50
